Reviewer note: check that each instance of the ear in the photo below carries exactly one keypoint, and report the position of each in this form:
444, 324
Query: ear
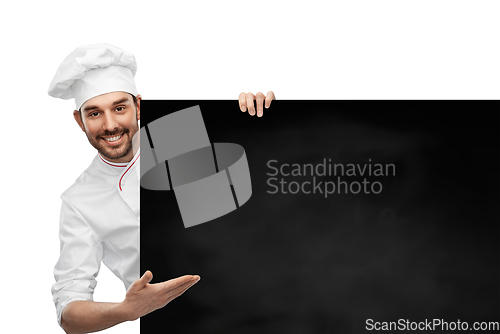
78, 119
138, 99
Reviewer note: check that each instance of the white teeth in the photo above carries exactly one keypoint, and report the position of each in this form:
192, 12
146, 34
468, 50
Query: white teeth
113, 138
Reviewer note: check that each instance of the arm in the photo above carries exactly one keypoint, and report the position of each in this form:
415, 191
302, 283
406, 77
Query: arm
75, 272
84, 316
79, 261
142, 298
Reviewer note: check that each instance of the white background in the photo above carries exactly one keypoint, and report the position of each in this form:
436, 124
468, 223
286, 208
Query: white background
205, 50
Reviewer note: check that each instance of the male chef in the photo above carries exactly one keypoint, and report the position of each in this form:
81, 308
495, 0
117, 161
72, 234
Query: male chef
100, 213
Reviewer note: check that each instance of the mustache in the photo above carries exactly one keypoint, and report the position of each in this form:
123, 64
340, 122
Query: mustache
113, 133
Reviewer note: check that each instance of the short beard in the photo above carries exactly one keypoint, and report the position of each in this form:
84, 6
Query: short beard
115, 152
110, 152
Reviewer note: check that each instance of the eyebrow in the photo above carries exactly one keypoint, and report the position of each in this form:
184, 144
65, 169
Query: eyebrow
120, 101
114, 104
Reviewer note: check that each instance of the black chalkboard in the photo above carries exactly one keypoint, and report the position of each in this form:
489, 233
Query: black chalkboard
425, 247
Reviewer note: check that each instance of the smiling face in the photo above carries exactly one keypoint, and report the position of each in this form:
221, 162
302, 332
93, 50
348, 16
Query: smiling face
110, 122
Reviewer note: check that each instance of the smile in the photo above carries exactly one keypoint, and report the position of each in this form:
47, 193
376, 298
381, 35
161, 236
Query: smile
114, 140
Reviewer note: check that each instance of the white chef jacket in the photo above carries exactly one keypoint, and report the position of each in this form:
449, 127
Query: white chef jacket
100, 218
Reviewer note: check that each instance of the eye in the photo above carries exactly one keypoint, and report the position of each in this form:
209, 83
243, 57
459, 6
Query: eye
119, 108
94, 114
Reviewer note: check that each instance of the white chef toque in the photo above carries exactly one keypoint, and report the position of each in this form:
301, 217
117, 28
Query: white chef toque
94, 70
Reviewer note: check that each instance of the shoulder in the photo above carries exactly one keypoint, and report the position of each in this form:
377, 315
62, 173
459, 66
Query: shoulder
85, 182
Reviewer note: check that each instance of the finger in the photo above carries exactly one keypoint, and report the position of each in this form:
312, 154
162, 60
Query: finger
242, 101
260, 103
183, 286
250, 106
269, 97
174, 283
143, 281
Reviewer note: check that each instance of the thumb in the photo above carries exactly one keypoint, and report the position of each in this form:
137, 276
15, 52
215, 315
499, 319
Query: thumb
143, 281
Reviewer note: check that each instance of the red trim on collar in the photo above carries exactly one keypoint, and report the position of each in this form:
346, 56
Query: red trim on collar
120, 183
125, 165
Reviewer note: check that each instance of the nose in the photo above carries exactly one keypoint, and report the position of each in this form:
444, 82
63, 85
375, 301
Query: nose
110, 123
